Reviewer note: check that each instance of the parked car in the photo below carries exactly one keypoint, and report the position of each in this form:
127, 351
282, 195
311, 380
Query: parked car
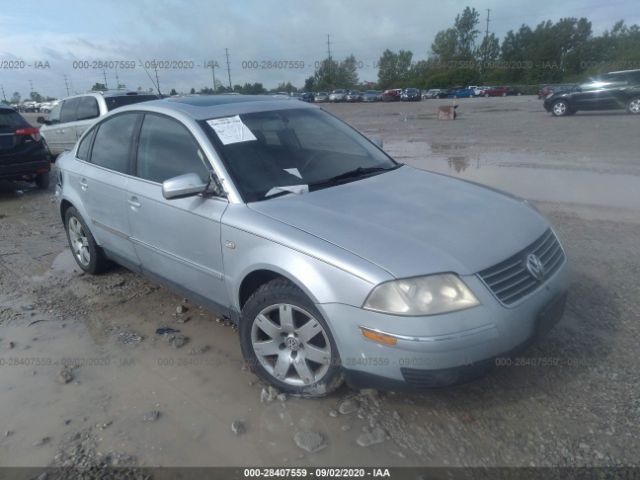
611, 91
410, 95
370, 96
431, 93
321, 97
499, 91
214, 197
392, 95
460, 92
446, 92
338, 95
547, 90
307, 97
72, 116
23, 152
353, 96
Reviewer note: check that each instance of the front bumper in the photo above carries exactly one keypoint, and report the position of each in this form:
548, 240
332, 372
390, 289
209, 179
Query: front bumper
440, 350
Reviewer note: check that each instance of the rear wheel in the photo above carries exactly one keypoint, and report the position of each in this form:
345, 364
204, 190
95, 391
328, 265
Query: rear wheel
633, 106
86, 252
42, 180
560, 108
287, 343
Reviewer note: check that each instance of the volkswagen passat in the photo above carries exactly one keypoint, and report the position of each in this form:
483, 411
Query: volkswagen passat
335, 261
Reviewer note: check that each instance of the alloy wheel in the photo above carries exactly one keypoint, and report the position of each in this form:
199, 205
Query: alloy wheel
79, 242
634, 105
560, 108
291, 344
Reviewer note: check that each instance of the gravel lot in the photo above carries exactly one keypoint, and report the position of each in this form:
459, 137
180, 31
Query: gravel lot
86, 381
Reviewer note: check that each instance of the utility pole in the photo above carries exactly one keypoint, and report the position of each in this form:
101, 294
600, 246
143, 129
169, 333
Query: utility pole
117, 80
104, 74
3, 95
157, 79
213, 74
228, 68
329, 57
31, 86
486, 32
66, 85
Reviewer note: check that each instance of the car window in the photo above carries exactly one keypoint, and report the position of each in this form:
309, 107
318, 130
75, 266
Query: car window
112, 143
85, 145
69, 110
11, 120
87, 108
54, 114
166, 149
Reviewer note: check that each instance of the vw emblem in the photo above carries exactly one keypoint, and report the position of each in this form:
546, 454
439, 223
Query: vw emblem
535, 267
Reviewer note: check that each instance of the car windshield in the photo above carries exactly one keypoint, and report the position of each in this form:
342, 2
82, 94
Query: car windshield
294, 150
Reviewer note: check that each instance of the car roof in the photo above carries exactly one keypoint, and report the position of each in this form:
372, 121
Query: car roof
203, 107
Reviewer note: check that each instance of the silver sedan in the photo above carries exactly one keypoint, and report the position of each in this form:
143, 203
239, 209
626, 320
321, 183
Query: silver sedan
335, 261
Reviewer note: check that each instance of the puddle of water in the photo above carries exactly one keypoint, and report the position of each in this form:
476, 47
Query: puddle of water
528, 175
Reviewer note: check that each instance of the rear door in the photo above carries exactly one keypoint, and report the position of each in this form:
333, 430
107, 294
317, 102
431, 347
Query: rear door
103, 183
177, 240
66, 129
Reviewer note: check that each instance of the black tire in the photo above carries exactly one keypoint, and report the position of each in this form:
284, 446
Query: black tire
42, 180
560, 108
98, 262
633, 105
281, 291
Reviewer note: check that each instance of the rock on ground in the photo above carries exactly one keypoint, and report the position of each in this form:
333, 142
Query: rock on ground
310, 441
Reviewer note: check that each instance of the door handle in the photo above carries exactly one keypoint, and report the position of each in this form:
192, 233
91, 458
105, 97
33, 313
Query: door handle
83, 184
133, 201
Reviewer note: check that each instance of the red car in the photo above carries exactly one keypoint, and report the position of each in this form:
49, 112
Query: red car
499, 91
392, 95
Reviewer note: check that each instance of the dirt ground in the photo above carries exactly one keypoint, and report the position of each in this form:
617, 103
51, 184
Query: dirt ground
85, 380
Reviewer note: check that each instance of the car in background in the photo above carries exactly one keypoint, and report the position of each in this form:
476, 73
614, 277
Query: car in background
445, 93
460, 92
320, 266
321, 97
370, 96
547, 90
431, 93
353, 96
307, 97
23, 152
392, 95
611, 91
68, 119
501, 91
410, 95
338, 95
46, 107
30, 106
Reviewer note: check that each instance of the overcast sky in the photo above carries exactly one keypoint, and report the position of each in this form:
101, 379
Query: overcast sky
64, 32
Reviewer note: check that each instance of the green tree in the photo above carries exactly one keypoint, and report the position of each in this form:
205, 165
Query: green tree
394, 69
173, 92
99, 87
15, 98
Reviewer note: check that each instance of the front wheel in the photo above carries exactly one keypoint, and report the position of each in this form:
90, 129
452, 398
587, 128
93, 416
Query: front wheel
560, 108
633, 106
287, 343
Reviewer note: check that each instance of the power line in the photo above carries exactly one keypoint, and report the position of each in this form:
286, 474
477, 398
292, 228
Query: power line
226, 50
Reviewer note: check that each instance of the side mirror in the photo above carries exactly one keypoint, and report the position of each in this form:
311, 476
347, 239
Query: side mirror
41, 120
187, 185
378, 141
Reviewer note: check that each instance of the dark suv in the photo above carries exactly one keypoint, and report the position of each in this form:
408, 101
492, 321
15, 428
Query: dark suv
23, 153
611, 91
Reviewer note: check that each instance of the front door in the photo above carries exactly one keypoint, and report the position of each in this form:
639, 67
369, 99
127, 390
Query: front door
177, 240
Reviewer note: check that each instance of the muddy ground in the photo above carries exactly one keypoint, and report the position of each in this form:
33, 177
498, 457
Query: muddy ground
85, 380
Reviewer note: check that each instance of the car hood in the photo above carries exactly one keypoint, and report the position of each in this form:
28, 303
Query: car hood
412, 222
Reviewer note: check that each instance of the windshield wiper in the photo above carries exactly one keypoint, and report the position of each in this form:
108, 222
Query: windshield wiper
350, 174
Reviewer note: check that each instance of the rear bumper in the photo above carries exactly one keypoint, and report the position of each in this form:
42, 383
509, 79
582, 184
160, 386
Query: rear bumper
21, 169
443, 350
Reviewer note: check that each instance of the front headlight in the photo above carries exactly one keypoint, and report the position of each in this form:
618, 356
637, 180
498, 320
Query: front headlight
421, 296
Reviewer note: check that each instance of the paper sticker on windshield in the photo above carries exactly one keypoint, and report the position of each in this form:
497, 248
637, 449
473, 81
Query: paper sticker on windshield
231, 130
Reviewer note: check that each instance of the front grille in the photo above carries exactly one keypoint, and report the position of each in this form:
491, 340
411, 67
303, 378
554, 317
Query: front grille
510, 280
